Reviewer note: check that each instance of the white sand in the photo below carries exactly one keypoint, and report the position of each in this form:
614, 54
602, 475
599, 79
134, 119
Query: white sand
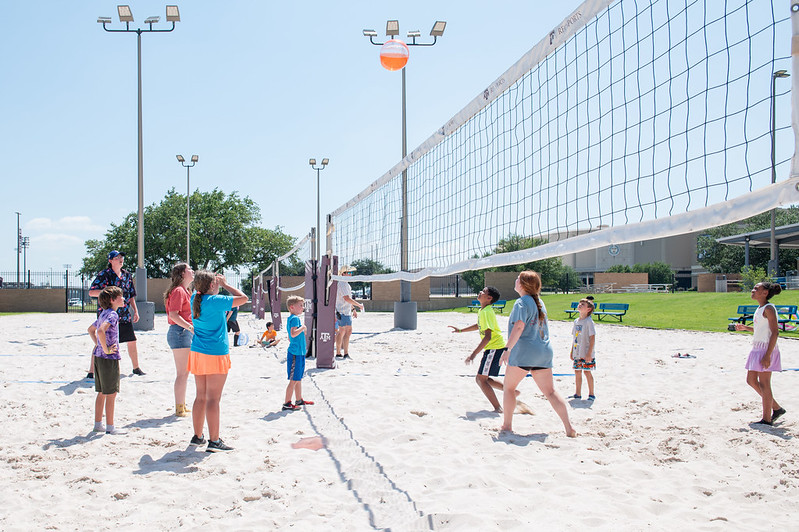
411, 442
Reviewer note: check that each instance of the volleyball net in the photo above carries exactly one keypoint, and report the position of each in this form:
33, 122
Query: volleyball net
631, 120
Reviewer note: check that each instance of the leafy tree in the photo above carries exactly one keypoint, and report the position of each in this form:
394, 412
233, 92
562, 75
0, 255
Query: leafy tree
223, 235
751, 276
659, 272
619, 268
722, 258
367, 267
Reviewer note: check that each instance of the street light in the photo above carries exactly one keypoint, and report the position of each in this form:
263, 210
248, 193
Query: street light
773, 263
312, 162
19, 244
182, 161
405, 317
26, 243
126, 16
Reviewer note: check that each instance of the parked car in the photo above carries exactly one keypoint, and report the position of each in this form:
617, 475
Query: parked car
74, 302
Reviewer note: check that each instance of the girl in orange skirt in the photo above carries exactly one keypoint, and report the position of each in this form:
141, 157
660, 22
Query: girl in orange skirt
209, 359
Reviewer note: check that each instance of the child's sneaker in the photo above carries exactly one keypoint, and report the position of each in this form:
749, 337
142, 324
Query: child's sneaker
289, 406
138, 371
115, 431
301, 402
195, 440
90, 376
98, 428
217, 446
591, 397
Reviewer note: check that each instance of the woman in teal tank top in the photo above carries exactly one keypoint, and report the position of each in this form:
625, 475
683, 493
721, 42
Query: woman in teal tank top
529, 351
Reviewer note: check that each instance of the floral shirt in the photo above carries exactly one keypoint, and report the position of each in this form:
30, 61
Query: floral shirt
108, 277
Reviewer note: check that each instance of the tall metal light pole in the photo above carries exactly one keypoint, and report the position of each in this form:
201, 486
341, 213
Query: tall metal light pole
126, 16
26, 243
181, 160
773, 263
405, 315
19, 245
312, 162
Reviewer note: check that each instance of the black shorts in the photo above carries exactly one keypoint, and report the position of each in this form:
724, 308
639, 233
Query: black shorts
106, 375
532, 368
489, 365
233, 326
126, 333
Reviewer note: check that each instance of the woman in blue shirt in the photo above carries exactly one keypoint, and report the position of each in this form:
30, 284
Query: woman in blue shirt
209, 360
529, 351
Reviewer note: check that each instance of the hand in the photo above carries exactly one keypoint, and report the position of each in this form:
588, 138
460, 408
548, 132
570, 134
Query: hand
740, 327
135, 316
112, 349
589, 358
220, 279
191, 329
571, 356
503, 361
765, 361
454, 329
469, 359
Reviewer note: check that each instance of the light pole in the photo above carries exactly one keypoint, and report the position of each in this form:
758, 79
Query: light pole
181, 160
19, 245
405, 315
126, 16
26, 243
312, 162
773, 263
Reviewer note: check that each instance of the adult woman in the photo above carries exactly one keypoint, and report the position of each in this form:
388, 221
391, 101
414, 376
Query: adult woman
181, 330
529, 351
209, 360
345, 313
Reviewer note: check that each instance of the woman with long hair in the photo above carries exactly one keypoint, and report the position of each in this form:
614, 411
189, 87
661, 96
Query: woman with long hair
209, 358
181, 330
529, 351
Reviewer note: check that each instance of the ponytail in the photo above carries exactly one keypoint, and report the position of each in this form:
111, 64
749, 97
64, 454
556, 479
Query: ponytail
202, 284
531, 283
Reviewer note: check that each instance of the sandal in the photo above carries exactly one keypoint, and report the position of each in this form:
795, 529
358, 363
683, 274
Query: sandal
777, 414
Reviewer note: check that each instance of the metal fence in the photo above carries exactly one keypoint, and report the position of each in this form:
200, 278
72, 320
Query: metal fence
450, 286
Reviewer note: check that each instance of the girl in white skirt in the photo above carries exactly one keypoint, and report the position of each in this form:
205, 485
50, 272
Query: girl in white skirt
765, 355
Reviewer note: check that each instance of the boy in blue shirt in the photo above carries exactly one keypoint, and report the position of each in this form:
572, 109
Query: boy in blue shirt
295, 361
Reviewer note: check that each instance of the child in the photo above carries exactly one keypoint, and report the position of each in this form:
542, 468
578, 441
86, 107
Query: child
492, 341
295, 361
269, 338
582, 350
105, 335
764, 358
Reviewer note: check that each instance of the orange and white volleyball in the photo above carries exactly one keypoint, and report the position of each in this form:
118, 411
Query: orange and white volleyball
394, 54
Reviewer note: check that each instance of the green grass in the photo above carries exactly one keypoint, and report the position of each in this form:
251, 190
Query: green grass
695, 311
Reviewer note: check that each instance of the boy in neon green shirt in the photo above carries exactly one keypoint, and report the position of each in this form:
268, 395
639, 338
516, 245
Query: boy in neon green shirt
491, 343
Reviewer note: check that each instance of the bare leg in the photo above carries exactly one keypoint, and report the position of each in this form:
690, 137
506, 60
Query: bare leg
753, 379
338, 341
298, 390
110, 399
99, 406
133, 353
513, 376
578, 382
181, 357
198, 410
487, 385
543, 378
345, 338
290, 390
589, 378
213, 395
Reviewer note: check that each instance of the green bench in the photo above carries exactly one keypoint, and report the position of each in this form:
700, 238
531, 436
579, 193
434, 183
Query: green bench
614, 310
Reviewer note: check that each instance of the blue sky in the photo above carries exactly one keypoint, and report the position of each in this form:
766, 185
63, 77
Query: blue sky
255, 88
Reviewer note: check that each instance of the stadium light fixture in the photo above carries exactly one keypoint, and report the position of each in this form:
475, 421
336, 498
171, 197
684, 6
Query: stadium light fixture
773, 263
125, 14
182, 161
369, 33
438, 28
413, 34
318, 248
172, 14
392, 28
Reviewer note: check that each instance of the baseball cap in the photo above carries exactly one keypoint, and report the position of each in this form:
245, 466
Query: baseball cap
114, 253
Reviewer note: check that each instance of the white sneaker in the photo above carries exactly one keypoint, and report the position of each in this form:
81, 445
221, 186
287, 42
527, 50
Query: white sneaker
116, 432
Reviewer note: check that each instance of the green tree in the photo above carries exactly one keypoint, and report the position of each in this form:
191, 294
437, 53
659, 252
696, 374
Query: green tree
223, 235
724, 258
659, 272
367, 267
751, 276
619, 268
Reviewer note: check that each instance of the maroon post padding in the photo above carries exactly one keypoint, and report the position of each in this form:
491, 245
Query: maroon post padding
326, 313
309, 310
256, 293
273, 287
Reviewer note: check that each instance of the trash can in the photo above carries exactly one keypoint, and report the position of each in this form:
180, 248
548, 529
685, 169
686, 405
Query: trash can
721, 283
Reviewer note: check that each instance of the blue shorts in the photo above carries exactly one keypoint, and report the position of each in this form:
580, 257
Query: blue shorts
295, 367
178, 338
344, 321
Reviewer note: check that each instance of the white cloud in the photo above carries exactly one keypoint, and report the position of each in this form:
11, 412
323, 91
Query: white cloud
72, 224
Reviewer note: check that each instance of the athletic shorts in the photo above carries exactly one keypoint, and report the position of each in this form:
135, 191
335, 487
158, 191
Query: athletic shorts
126, 333
106, 375
295, 367
344, 321
233, 326
532, 368
581, 365
178, 338
489, 365
202, 364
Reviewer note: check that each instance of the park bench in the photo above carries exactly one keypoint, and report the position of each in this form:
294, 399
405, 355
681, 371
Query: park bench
474, 305
573, 310
785, 314
614, 310
499, 305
